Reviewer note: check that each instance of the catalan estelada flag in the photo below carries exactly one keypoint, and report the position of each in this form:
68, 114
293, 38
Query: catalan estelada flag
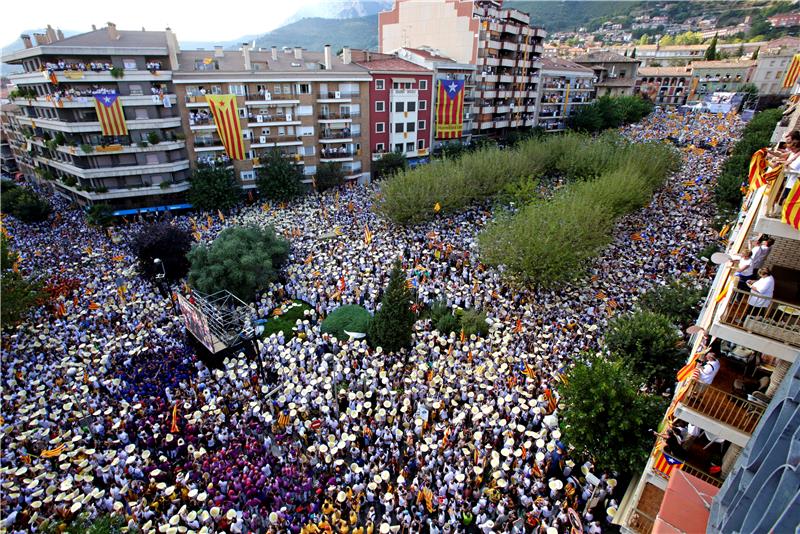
666, 464
792, 72
686, 371
226, 117
110, 114
790, 214
449, 109
758, 164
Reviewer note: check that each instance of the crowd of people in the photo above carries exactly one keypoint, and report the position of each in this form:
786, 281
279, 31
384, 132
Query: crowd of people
107, 410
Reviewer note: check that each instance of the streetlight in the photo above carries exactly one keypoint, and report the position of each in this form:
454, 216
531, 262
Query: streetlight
160, 264
162, 283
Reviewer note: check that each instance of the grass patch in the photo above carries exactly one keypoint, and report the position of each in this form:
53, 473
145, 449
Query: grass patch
284, 322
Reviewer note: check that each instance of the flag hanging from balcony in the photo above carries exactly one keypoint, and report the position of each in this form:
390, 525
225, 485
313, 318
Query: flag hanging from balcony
449, 109
792, 72
758, 164
226, 116
110, 114
666, 464
790, 214
687, 370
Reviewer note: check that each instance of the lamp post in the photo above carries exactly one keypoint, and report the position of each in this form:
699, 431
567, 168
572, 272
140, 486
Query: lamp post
161, 282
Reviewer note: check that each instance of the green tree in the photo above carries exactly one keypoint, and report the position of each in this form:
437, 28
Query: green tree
393, 324
279, 180
213, 188
242, 259
650, 344
607, 393
390, 163
99, 215
166, 242
24, 204
678, 300
711, 51
349, 318
8, 257
18, 295
329, 175
474, 322
750, 97
587, 119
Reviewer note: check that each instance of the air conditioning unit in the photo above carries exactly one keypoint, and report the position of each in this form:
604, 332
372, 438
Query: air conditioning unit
262, 139
337, 94
288, 116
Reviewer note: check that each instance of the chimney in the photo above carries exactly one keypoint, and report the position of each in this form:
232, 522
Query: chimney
246, 54
218, 51
26, 40
51, 34
274, 53
113, 34
298, 52
40, 38
328, 61
346, 58
60, 35
173, 48
94, 28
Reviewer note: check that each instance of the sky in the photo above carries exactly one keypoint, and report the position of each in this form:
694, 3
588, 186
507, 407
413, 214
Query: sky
190, 20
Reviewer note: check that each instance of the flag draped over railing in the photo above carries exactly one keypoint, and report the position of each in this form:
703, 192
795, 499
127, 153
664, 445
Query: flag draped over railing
226, 117
666, 464
758, 164
110, 114
790, 214
449, 109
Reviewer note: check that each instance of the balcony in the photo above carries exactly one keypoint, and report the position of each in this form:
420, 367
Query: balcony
404, 93
778, 320
270, 99
769, 220
334, 136
336, 96
508, 45
94, 126
506, 78
257, 121
714, 402
174, 187
491, 61
336, 154
88, 76
88, 101
116, 170
264, 141
336, 117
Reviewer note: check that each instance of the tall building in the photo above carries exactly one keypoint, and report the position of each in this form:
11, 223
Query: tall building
565, 87
736, 468
615, 74
142, 161
664, 86
711, 76
401, 100
773, 60
313, 107
501, 43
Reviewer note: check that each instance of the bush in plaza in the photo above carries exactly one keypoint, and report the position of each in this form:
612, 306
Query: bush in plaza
23, 204
610, 112
99, 214
329, 175
18, 294
242, 260
213, 188
390, 164
168, 243
8, 257
349, 318
650, 343
473, 322
447, 323
279, 180
679, 300
606, 414
392, 326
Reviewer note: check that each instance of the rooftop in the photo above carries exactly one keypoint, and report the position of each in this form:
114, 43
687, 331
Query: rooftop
429, 54
723, 64
286, 62
392, 64
604, 57
664, 71
555, 63
102, 38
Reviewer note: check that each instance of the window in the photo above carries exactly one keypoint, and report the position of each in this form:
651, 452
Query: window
304, 111
277, 88
421, 125
380, 106
136, 90
304, 88
420, 144
380, 85
380, 127
140, 113
411, 106
398, 147
151, 159
398, 127
410, 126
243, 113
305, 131
379, 147
423, 105
309, 170
287, 89
236, 89
129, 64
247, 176
398, 107
206, 64
409, 147
423, 85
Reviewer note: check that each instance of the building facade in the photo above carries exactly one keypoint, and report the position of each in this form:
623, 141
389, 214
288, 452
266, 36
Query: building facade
739, 429
614, 74
312, 107
711, 76
772, 63
664, 86
565, 87
401, 100
663, 56
501, 44
64, 146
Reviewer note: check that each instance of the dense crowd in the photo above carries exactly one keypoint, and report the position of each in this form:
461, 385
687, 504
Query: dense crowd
107, 410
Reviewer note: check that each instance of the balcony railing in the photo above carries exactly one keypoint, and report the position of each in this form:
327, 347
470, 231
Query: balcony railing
776, 197
338, 94
335, 116
777, 320
641, 522
722, 406
333, 153
702, 475
337, 135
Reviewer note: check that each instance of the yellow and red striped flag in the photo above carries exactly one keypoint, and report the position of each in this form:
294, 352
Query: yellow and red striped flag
723, 293
174, 427
367, 235
758, 164
283, 419
449, 109
790, 214
221, 216
226, 117
530, 373
518, 327
51, 453
110, 114
792, 72
686, 371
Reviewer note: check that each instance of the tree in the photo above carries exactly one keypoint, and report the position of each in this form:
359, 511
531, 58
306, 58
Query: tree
474, 322
711, 51
8, 257
750, 91
350, 318
24, 204
390, 163
678, 301
168, 243
606, 414
650, 344
213, 188
329, 175
242, 259
279, 180
393, 324
587, 119
99, 214
17, 297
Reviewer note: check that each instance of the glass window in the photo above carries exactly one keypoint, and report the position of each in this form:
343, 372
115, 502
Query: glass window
380, 127
136, 90
379, 85
410, 126
398, 127
410, 147
411, 106
379, 147
420, 144
421, 125
423, 85
423, 105
129, 64
398, 107
380, 106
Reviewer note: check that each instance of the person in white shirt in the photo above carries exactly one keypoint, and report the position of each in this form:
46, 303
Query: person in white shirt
744, 269
709, 369
761, 291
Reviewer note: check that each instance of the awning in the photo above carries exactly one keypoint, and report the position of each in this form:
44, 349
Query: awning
153, 209
686, 505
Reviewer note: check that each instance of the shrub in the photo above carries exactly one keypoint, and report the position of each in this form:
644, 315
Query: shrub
168, 243
24, 204
438, 310
214, 188
473, 322
153, 138
117, 72
87, 148
99, 214
279, 180
392, 326
286, 321
70, 181
390, 164
447, 323
329, 175
678, 301
349, 318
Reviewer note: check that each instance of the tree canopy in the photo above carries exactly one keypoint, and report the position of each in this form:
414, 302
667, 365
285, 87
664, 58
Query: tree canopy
329, 175
166, 242
389, 164
214, 188
392, 326
23, 203
279, 180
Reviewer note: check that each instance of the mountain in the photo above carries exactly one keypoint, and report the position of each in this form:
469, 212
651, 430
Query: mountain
314, 33
208, 45
557, 16
16, 44
341, 9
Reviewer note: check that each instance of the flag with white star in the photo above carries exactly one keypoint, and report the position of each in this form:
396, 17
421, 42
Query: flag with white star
110, 114
449, 109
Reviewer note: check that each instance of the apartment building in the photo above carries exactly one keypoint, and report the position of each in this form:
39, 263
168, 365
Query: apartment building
664, 86
663, 56
565, 86
772, 63
711, 76
144, 162
10, 145
615, 74
740, 427
501, 43
401, 101
313, 107
444, 69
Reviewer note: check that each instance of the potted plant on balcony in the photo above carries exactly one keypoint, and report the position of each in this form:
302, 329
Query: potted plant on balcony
117, 72
87, 148
153, 138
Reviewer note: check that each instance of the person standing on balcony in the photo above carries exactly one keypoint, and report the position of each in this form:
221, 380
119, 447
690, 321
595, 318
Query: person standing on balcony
709, 369
761, 291
744, 270
760, 253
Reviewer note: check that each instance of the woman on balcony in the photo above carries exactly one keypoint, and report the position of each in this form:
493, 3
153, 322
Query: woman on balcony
761, 291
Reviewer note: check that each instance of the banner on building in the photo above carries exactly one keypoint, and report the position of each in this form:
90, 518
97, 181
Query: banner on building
226, 117
110, 114
449, 109
792, 72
